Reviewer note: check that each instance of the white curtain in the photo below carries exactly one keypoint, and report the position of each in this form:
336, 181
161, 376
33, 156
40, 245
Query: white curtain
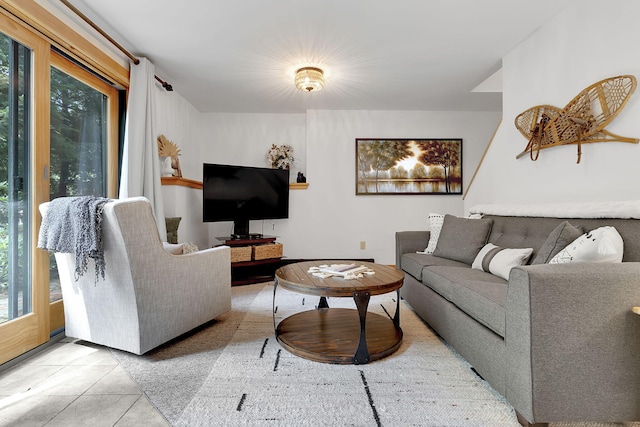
140, 162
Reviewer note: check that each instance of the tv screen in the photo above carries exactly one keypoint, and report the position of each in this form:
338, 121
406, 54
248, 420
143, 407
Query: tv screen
243, 193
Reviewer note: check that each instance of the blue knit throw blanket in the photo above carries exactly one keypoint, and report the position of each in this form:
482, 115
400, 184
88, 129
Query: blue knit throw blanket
74, 225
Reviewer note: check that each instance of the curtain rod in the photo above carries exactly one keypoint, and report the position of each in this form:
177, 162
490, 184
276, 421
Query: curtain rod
164, 84
93, 25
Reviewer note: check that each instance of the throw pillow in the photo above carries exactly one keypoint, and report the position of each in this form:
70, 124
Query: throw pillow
499, 261
189, 247
603, 244
462, 238
435, 225
172, 228
172, 248
558, 239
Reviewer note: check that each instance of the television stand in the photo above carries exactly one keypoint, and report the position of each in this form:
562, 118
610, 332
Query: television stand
252, 236
251, 271
246, 240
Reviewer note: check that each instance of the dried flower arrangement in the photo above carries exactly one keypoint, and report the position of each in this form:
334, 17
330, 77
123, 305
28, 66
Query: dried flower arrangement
167, 148
280, 156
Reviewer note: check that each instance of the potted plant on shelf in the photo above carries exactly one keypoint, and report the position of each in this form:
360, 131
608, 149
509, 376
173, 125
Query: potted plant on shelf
280, 156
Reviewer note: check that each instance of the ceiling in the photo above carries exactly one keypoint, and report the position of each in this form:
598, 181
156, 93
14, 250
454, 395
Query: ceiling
241, 55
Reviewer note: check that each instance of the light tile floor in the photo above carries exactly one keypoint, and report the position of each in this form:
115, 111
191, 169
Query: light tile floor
73, 384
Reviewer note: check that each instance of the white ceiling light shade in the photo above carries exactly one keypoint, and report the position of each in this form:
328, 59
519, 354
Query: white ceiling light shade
309, 79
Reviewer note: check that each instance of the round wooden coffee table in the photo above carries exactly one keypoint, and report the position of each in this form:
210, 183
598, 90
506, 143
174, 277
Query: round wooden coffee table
339, 335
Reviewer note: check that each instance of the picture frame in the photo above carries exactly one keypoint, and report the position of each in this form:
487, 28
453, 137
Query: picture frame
408, 166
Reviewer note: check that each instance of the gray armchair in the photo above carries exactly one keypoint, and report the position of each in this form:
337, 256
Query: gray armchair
148, 296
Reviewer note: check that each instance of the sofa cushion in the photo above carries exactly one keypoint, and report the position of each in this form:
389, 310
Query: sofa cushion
485, 301
532, 232
480, 295
462, 238
414, 263
521, 232
559, 238
441, 280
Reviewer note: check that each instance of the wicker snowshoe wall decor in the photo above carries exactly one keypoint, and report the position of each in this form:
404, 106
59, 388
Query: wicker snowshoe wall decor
581, 121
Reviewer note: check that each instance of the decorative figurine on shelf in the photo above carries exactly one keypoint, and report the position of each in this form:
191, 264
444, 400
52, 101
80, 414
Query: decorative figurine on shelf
167, 148
165, 166
301, 177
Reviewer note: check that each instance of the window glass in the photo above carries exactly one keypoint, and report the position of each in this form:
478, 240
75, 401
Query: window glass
15, 137
78, 144
78, 137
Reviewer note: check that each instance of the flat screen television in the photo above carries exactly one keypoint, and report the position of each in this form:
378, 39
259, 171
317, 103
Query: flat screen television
243, 193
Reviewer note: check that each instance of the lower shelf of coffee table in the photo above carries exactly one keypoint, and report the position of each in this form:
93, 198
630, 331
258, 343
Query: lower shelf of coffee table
331, 335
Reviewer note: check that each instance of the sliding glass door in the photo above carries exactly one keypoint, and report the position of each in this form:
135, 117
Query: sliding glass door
59, 124
15, 292
24, 314
83, 140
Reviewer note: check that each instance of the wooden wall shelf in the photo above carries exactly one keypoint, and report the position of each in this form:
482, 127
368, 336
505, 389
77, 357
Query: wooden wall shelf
184, 182
298, 186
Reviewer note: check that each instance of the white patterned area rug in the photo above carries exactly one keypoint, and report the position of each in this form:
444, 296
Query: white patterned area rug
253, 381
256, 382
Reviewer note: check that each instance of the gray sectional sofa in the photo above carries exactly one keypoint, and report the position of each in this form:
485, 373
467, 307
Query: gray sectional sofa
558, 341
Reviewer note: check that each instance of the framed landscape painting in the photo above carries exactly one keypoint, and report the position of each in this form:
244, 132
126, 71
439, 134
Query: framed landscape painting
408, 166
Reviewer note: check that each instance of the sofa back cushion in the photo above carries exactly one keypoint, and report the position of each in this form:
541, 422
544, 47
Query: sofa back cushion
462, 238
559, 238
532, 232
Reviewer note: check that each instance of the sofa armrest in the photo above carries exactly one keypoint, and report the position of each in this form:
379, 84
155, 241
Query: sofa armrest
573, 343
410, 241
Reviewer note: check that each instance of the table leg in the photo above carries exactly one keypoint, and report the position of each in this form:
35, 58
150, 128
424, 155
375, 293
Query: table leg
396, 318
362, 303
273, 305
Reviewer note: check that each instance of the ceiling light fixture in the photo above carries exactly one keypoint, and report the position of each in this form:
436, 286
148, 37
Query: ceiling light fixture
309, 79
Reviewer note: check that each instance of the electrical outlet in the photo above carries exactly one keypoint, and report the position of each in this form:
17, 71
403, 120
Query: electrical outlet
363, 245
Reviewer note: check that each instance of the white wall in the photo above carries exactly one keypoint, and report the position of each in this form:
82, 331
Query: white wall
243, 139
328, 219
180, 122
551, 67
